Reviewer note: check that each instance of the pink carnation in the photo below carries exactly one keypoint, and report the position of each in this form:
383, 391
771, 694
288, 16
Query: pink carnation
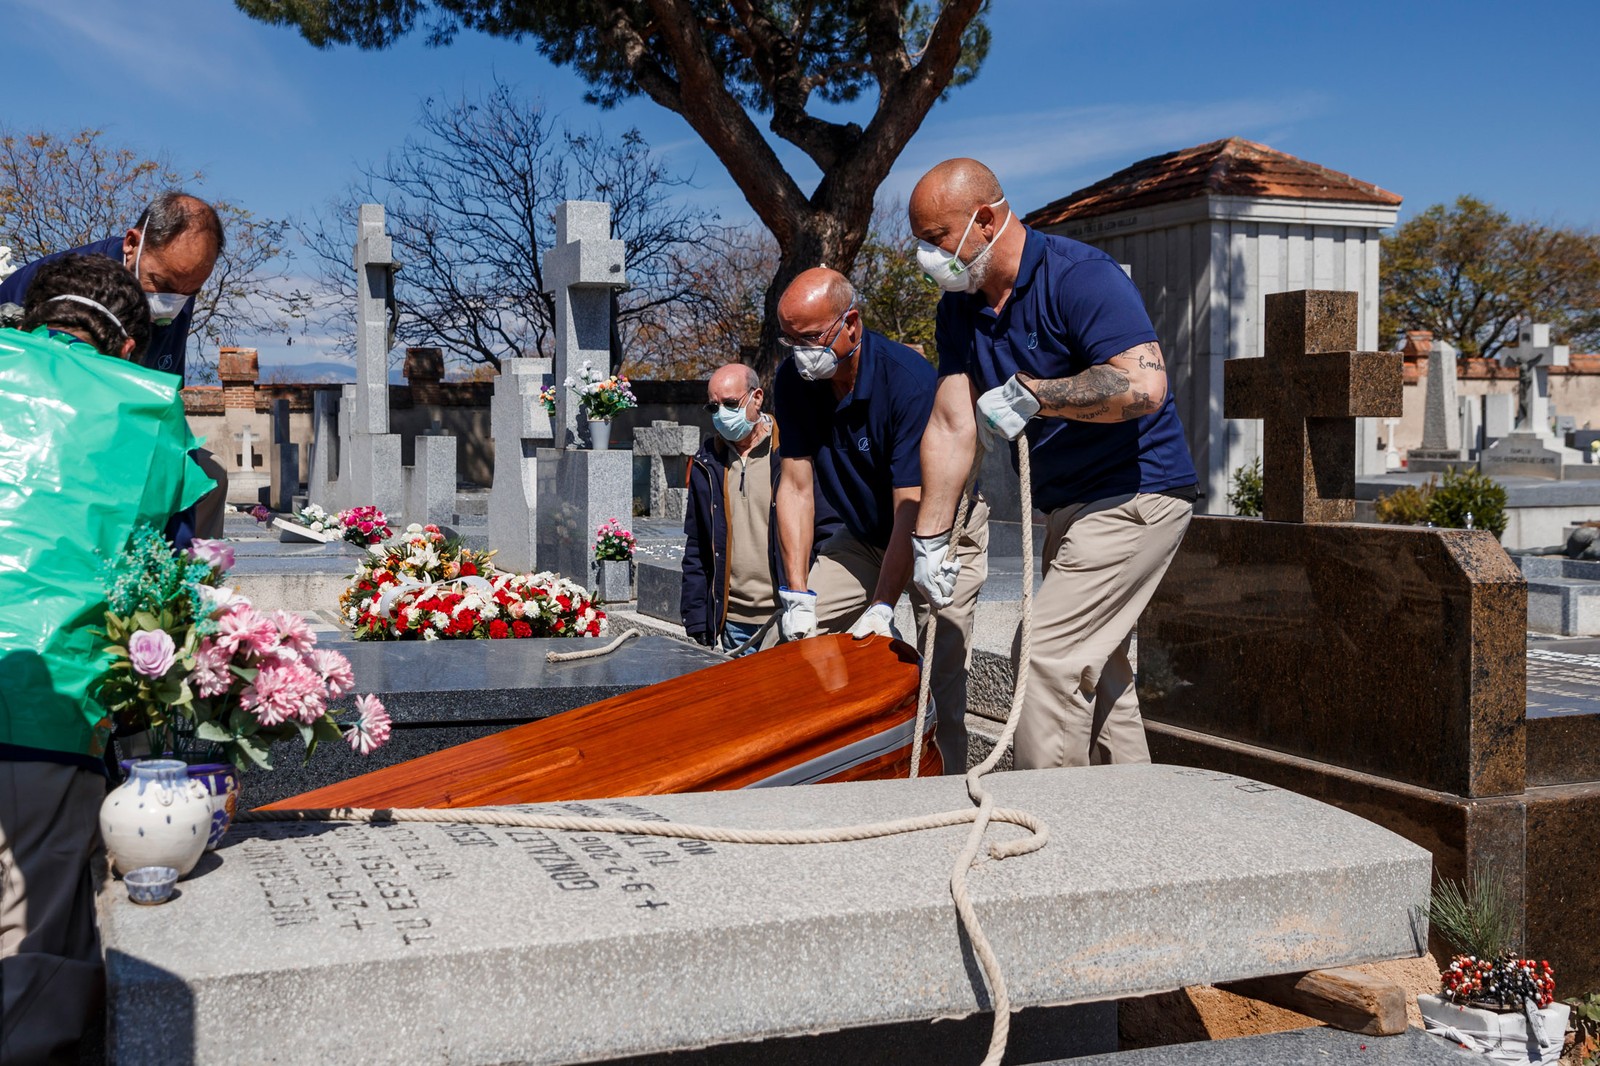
371, 730
293, 632
335, 671
211, 675
285, 692
243, 628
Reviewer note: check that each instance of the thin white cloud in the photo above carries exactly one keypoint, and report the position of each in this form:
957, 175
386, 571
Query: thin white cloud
1041, 155
184, 50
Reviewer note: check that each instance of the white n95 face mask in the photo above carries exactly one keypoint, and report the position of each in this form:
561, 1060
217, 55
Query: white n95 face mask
945, 269
164, 306
815, 362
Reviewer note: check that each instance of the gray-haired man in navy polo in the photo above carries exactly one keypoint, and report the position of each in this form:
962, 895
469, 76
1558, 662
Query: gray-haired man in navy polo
851, 406
1057, 340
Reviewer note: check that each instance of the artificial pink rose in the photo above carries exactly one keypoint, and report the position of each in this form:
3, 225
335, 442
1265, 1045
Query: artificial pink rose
151, 652
215, 552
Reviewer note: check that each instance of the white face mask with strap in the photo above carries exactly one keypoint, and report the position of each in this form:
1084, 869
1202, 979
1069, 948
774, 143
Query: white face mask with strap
945, 269
164, 306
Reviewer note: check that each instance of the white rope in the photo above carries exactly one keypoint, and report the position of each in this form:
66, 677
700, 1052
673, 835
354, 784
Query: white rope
590, 653
980, 817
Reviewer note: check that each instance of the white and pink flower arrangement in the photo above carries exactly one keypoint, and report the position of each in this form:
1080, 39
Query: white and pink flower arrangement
191, 658
612, 543
364, 525
426, 586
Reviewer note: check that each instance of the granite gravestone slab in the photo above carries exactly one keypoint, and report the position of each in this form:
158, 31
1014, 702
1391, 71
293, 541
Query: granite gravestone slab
505, 944
1441, 417
1380, 668
442, 693
520, 424
285, 461
1563, 713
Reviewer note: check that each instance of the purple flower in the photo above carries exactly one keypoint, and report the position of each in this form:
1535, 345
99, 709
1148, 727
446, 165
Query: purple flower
215, 552
151, 652
260, 513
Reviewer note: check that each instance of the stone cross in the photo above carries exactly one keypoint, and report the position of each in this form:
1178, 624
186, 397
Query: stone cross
285, 460
581, 270
247, 456
375, 266
1309, 388
1533, 357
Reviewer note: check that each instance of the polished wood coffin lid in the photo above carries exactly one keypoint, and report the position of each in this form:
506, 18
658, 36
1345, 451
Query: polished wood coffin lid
728, 726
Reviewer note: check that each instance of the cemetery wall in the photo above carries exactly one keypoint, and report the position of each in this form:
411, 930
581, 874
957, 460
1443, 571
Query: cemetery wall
217, 413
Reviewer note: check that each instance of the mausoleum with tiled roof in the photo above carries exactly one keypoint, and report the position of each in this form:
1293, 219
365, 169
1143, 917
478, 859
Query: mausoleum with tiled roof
1206, 233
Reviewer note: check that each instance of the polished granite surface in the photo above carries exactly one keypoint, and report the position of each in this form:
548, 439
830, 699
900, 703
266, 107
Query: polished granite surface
1389, 650
1309, 387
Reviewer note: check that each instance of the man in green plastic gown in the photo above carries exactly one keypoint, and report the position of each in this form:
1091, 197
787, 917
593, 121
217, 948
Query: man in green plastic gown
90, 447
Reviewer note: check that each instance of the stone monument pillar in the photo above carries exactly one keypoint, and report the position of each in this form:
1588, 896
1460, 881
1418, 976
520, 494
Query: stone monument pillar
580, 489
429, 483
667, 442
1441, 418
285, 461
323, 469
240, 447
520, 425
374, 452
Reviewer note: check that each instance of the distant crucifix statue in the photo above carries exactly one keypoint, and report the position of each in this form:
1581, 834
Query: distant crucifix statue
1309, 389
1534, 355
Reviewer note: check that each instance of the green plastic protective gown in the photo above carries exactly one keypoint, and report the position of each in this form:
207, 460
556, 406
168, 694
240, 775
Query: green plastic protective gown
90, 446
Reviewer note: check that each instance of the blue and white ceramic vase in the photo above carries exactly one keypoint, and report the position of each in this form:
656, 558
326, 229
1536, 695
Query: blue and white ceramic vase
159, 816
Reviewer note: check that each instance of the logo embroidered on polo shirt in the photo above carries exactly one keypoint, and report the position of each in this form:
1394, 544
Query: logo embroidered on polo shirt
864, 444
1033, 341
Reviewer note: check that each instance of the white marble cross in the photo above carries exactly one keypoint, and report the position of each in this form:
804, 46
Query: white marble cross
1533, 356
375, 266
247, 457
582, 268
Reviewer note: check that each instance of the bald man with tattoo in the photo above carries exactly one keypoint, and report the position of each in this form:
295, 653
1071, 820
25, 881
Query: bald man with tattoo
1046, 336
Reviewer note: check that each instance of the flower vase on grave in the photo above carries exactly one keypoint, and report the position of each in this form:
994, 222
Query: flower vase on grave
219, 779
614, 580
159, 816
600, 434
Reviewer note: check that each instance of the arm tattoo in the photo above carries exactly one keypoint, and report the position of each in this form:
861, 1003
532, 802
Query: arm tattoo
1081, 393
1140, 405
1150, 357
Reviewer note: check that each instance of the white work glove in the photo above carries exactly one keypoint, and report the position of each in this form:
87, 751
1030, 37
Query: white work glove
1005, 411
934, 569
799, 614
877, 619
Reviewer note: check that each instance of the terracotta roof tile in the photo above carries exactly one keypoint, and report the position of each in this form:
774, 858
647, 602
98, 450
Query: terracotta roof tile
1232, 167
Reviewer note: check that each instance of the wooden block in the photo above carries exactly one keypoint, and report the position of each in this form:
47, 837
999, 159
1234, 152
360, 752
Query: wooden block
1345, 999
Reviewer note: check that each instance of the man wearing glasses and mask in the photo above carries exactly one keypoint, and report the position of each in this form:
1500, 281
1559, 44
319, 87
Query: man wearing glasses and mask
851, 406
171, 250
730, 556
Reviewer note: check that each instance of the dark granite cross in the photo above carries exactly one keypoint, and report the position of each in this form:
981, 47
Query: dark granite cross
1310, 388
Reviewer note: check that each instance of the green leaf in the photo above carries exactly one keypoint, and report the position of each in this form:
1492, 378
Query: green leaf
213, 732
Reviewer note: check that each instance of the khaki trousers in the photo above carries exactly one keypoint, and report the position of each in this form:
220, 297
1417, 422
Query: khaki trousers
844, 576
51, 985
1102, 563
210, 509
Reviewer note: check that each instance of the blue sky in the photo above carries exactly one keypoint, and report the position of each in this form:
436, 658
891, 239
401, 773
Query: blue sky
1426, 99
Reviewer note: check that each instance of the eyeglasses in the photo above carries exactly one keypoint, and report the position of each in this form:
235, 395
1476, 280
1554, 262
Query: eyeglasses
730, 405
817, 340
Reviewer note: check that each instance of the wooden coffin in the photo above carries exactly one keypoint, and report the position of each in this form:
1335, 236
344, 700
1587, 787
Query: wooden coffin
824, 709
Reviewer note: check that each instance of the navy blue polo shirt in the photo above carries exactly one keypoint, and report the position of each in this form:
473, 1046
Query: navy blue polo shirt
169, 344
866, 445
1072, 307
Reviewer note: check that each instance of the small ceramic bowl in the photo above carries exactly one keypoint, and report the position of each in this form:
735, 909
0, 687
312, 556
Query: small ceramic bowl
151, 884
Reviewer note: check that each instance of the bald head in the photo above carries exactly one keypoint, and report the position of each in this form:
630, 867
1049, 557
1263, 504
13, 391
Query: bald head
730, 380
947, 196
814, 300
